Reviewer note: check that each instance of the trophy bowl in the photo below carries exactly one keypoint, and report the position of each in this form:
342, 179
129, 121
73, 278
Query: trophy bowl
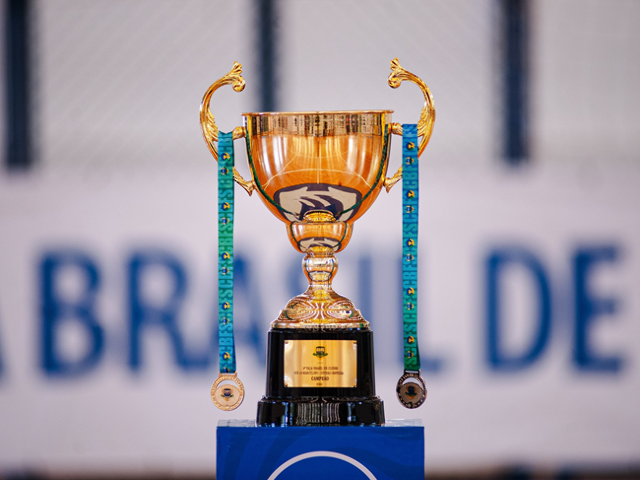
319, 172
330, 162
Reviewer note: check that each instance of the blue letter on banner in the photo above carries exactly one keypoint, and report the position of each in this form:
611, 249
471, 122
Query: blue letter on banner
142, 314
588, 308
55, 310
495, 264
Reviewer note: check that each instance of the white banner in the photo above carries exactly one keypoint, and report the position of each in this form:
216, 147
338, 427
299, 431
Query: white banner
529, 329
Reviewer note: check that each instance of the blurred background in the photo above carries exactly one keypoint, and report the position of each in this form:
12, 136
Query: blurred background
529, 267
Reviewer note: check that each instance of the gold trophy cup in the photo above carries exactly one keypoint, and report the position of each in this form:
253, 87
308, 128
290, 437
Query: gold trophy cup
319, 172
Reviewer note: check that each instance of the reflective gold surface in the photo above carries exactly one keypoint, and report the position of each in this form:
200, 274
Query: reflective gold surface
227, 391
320, 363
427, 115
319, 305
428, 112
208, 121
327, 161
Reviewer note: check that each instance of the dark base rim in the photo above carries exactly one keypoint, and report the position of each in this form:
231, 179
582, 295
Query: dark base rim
320, 411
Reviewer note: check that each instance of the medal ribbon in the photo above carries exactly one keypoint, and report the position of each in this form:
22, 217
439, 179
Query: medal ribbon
226, 346
410, 199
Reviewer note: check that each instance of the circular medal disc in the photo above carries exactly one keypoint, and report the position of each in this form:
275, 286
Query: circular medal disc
412, 393
229, 395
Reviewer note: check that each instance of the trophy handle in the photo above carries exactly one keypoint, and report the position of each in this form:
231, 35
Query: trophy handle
427, 115
208, 121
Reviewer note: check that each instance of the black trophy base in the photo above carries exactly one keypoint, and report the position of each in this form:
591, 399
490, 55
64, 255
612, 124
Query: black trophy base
285, 406
277, 412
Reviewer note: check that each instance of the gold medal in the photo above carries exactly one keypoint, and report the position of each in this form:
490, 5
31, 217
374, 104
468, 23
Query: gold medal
227, 392
411, 390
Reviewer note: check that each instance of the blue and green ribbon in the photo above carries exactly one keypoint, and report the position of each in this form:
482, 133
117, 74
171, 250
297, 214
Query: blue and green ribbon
226, 345
410, 199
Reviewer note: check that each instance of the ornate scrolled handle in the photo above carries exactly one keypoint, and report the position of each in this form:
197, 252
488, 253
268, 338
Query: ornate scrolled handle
208, 121
427, 115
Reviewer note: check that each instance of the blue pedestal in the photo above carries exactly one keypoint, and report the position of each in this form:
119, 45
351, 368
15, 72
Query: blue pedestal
392, 451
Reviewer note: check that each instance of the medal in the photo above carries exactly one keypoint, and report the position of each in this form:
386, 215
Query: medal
227, 392
411, 390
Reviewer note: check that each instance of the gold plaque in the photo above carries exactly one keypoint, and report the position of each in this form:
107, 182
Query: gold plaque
320, 363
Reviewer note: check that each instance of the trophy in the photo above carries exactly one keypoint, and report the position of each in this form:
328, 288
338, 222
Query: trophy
318, 172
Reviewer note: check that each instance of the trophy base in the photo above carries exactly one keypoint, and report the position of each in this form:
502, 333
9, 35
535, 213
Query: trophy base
298, 412
320, 377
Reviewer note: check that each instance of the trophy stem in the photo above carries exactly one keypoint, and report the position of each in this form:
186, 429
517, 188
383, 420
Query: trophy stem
319, 306
320, 265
